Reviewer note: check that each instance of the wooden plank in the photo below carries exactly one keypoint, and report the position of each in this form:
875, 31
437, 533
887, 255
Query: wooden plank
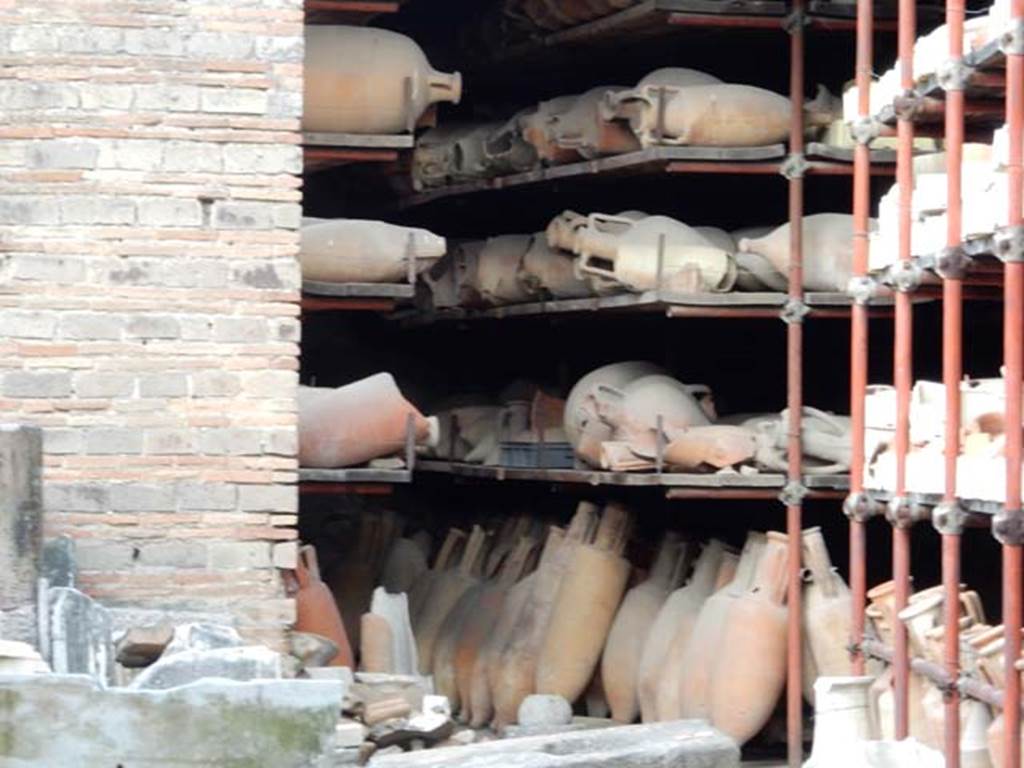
371, 141
360, 290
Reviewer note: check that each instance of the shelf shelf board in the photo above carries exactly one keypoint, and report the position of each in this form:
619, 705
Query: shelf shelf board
983, 277
362, 481
347, 11
977, 507
329, 150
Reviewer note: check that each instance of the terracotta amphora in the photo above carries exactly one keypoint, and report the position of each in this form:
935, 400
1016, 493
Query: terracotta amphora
360, 421
580, 408
434, 157
315, 609
716, 445
842, 720
506, 151
713, 115
749, 672
487, 667
535, 127
673, 624
754, 272
588, 596
631, 252
881, 610
403, 567
582, 127
481, 622
883, 704
561, 230
365, 251
975, 722
635, 410
633, 625
828, 249
827, 608
629, 102
395, 610
547, 271
517, 666
690, 696
493, 276
444, 594
447, 557
368, 80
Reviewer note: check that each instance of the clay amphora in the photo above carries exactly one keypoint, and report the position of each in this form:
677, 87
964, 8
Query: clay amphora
717, 445
627, 251
375, 644
434, 159
842, 720
883, 704
367, 80
469, 154
716, 115
583, 129
692, 697
881, 610
827, 608
628, 103
478, 626
315, 609
996, 746
638, 406
404, 565
365, 251
535, 127
395, 610
357, 422
445, 592
672, 626
588, 597
546, 271
561, 230
828, 250
975, 721
447, 557
749, 673
506, 151
753, 271
580, 412
632, 628
717, 237
517, 667
493, 276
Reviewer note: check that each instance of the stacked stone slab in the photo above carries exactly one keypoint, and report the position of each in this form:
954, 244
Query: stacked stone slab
149, 202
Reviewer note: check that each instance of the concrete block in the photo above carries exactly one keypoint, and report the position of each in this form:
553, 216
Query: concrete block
78, 497
238, 555
544, 709
37, 384
248, 330
113, 440
153, 327
349, 733
136, 497
21, 518
164, 385
252, 662
168, 98
80, 635
54, 269
98, 385
154, 41
170, 212
62, 441
268, 498
18, 324
72, 721
26, 209
232, 441
191, 157
207, 496
243, 101
63, 153
262, 158
91, 326
90, 210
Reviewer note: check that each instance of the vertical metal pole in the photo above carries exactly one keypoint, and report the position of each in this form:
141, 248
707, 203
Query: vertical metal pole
794, 314
1010, 522
857, 504
900, 509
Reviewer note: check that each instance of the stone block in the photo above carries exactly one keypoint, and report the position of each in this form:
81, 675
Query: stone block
207, 496
19, 324
544, 709
191, 157
18, 94
214, 45
90, 38
216, 384
164, 385
132, 154
113, 440
285, 554
268, 498
99, 385
93, 555
262, 158
675, 744
91, 326
154, 41
169, 442
137, 497
284, 49
21, 517
78, 497
252, 662
90, 210
238, 555
58, 441
240, 215
37, 384
203, 636
249, 330
26, 209
168, 98
63, 153
72, 721
54, 269
80, 635
232, 441
170, 212
243, 101
173, 554
58, 562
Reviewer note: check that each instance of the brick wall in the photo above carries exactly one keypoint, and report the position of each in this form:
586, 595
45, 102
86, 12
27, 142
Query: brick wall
149, 200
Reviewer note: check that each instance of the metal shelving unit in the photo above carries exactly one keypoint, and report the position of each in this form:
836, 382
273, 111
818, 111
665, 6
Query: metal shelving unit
972, 91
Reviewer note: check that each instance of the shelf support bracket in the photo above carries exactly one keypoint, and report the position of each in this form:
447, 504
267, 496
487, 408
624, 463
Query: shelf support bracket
792, 495
862, 289
794, 166
1008, 527
906, 276
865, 130
795, 20
1008, 244
904, 511
951, 263
949, 518
794, 311
860, 507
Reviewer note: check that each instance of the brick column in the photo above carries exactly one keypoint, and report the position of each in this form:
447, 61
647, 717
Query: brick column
149, 206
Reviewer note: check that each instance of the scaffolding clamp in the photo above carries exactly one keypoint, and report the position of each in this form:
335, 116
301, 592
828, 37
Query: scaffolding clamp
792, 495
908, 106
794, 166
906, 276
1008, 527
951, 262
1008, 244
862, 289
865, 129
1011, 42
949, 518
794, 311
795, 21
904, 511
954, 75
860, 507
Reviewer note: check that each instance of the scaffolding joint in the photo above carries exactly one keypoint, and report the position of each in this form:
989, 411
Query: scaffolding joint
1008, 244
862, 289
908, 106
1011, 42
954, 75
798, 19
792, 495
906, 276
904, 511
860, 507
794, 166
794, 311
949, 518
1008, 527
865, 129
951, 262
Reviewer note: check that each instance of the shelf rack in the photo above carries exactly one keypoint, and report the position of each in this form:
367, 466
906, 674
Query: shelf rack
333, 297
347, 11
975, 89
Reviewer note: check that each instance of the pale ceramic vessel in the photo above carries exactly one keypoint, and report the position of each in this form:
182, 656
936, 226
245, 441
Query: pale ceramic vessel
580, 413
842, 720
492, 276
583, 129
433, 158
549, 271
827, 608
364, 251
395, 610
535, 127
366, 80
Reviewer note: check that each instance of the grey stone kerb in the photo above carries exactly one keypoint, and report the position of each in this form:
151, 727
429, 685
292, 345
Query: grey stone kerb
21, 524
